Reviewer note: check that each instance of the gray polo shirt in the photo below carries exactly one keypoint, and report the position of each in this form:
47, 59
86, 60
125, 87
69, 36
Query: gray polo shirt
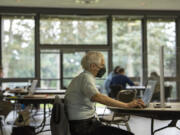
78, 102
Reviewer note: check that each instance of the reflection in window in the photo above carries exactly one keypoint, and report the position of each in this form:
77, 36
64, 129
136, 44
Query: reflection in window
71, 30
127, 45
161, 33
18, 46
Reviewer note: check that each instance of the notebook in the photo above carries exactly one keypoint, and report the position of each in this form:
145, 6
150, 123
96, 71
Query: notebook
149, 92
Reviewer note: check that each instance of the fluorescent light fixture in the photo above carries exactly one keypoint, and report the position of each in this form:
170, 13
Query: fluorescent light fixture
86, 1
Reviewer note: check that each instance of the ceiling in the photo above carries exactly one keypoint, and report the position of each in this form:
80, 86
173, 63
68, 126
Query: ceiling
102, 4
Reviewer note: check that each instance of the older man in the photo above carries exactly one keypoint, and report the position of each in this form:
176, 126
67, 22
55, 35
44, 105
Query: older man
82, 95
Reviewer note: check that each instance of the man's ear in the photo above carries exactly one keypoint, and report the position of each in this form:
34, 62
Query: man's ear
92, 66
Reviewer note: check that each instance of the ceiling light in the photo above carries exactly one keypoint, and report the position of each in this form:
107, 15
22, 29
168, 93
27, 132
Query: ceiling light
86, 1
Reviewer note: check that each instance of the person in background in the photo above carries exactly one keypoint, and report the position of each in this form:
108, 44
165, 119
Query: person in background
121, 79
82, 94
1, 76
155, 76
109, 78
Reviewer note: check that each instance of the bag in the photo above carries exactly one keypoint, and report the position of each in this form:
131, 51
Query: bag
23, 118
23, 130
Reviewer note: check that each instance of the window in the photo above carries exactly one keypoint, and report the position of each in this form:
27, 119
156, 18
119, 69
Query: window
127, 45
73, 30
18, 46
71, 66
50, 69
161, 33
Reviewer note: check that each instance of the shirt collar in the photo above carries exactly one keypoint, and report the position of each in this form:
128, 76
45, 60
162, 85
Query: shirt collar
85, 71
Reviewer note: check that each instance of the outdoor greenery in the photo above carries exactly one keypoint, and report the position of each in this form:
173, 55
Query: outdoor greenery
127, 46
162, 33
69, 30
18, 47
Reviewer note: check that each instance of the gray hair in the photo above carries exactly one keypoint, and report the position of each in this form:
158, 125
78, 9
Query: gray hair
90, 58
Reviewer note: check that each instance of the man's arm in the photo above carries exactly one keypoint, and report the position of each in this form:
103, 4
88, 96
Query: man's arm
100, 98
129, 81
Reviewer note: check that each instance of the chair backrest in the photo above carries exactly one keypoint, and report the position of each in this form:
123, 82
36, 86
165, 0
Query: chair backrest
6, 107
59, 123
126, 95
168, 90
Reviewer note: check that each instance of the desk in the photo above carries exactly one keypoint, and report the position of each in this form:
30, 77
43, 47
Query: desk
136, 87
50, 92
38, 91
139, 89
172, 113
37, 100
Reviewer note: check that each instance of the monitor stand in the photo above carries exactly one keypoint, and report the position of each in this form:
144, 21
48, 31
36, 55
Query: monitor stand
158, 105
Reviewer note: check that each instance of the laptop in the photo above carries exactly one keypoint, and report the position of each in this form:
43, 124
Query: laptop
33, 87
149, 92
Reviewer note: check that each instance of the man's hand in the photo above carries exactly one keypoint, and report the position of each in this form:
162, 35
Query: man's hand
136, 103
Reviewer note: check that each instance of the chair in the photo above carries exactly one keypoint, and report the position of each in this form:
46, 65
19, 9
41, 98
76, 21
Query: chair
120, 118
59, 123
5, 108
167, 89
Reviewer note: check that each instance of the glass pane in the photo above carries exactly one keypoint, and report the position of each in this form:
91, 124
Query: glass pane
72, 64
161, 33
58, 30
66, 82
50, 64
50, 84
127, 46
18, 47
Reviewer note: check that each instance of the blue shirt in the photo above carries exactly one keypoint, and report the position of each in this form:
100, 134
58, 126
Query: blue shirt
108, 82
121, 80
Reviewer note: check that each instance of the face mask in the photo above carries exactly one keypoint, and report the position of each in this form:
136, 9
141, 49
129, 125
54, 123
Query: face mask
101, 72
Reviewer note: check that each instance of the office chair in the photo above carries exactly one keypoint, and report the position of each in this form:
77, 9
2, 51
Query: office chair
5, 108
167, 89
59, 124
120, 118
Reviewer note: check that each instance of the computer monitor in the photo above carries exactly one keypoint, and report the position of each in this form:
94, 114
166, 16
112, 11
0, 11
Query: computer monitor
33, 87
149, 92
